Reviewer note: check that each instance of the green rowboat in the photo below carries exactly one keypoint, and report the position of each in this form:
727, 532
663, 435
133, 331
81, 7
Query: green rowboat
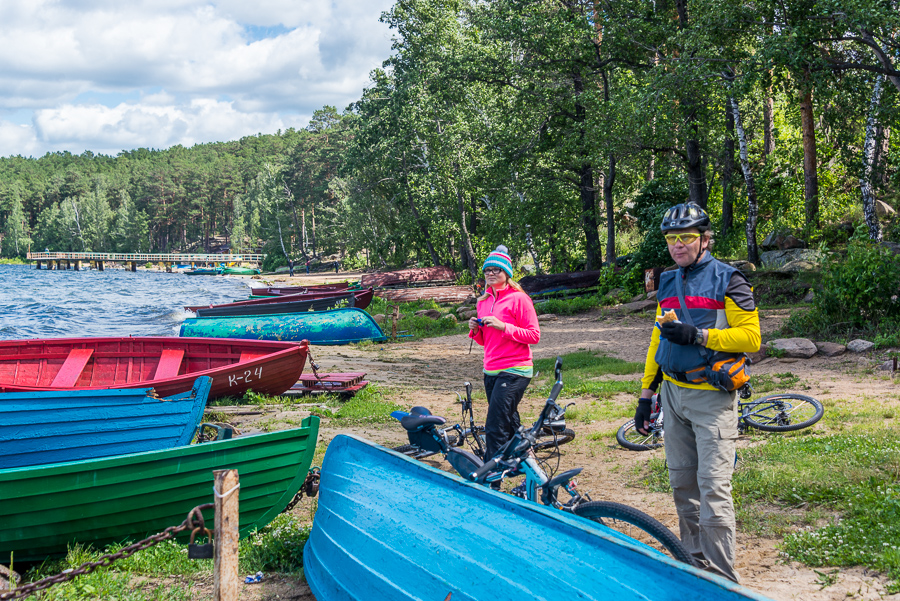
44, 509
240, 271
338, 326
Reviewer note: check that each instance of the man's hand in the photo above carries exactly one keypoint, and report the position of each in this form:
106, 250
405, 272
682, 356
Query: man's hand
642, 416
678, 333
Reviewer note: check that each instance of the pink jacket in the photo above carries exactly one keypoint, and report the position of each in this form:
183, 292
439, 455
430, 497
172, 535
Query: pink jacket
509, 348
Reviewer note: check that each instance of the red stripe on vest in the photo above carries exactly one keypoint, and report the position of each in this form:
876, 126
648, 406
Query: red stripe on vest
693, 302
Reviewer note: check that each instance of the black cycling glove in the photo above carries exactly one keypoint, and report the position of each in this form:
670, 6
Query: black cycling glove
678, 333
642, 413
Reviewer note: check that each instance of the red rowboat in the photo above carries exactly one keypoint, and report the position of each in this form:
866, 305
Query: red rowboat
363, 298
168, 364
275, 291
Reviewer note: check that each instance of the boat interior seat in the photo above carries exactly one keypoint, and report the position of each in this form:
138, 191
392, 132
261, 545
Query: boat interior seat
72, 368
169, 363
250, 356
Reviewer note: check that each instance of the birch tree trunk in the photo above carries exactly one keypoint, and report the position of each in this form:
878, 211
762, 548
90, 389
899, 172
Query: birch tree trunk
752, 205
529, 242
412, 205
865, 181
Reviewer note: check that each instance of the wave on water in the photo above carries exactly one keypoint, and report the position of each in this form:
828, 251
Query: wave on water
115, 302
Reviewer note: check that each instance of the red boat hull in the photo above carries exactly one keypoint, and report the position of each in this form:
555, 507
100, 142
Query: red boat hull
168, 364
363, 298
276, 291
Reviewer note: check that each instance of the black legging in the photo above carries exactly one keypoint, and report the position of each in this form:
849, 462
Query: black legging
504, 391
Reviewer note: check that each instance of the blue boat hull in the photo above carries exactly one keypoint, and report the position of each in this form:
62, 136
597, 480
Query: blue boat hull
339, 326
37, 428
388, 527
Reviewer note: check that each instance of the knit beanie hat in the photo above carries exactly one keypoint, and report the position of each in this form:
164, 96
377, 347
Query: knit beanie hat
499, 257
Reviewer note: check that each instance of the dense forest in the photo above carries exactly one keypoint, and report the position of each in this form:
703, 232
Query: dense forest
561, 128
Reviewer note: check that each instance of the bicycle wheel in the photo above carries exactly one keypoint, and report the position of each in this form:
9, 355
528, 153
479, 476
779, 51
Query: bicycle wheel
635, 524
551, 440
782, 412
631, 439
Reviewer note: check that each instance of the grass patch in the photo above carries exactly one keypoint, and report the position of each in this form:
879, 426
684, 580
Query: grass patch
567, 306
367, 406
411, 326
583, 373
276, 548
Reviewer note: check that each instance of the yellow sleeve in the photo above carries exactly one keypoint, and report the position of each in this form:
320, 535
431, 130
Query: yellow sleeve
650, 365
741, 336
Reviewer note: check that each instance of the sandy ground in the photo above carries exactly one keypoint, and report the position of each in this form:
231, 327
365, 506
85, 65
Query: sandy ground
429, 372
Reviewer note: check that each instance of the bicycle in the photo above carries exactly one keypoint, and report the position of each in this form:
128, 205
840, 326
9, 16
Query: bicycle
515, 458
774, 413
553, 434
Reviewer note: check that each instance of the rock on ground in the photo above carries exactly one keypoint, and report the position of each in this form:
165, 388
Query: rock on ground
800, 348
860, 346
830, 349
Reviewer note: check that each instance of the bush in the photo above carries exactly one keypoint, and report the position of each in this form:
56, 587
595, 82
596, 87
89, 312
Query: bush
858, 292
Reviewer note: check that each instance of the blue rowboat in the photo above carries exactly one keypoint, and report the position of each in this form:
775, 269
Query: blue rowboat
37, 428
339, 326
388, 527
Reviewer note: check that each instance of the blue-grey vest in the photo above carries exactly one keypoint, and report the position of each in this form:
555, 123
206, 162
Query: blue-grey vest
704, 287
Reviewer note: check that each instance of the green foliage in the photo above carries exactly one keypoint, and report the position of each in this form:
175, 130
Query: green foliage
650, 206
276, 548
567, 306
857, 291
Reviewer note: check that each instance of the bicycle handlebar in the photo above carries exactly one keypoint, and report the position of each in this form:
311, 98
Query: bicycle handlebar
479, 474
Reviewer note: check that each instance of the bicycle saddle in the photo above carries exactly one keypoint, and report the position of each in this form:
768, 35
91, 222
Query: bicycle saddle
418, 422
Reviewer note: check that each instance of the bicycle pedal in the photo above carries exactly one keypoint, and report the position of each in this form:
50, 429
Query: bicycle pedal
518, 490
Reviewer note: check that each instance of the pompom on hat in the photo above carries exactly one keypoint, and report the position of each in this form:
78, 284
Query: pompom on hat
499, 257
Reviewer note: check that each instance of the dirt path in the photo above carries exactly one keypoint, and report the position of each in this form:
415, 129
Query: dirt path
429, 372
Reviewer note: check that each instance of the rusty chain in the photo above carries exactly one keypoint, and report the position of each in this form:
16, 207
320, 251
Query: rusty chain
310, 488
20, 592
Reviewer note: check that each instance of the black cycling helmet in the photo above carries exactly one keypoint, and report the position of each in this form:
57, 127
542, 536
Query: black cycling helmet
685, 215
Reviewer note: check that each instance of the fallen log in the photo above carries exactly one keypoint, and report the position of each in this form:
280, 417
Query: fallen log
443, 295
407, 277
535, 284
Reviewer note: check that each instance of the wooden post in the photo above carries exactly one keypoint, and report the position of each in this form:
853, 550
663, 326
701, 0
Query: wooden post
395, 316
134, 266
226, 586
99, 265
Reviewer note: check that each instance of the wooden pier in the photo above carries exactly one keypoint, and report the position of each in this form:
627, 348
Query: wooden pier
72, 260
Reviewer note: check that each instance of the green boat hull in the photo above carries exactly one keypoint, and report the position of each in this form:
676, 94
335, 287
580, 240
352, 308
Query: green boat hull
45, 509
240, 271
338, 326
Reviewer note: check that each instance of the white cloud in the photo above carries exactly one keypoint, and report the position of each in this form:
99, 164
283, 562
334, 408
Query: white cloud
219, 80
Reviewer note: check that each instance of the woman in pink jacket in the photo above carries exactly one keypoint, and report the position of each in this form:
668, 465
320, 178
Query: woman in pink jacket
506, 327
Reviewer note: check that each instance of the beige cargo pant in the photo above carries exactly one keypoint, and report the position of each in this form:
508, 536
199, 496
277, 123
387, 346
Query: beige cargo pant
701, 431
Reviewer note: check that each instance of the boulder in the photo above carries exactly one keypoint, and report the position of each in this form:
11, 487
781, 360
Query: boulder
614, 293
450, 316
860, 346
379, 317
798, 266
883, 209
776, 258
744, 266
810, 296
639, 306
887, 365
789, 241
462, 309
430, 313
770, 240
759, 355
800, 348
547, 317
830, 349
637, 298
651, 295
468, 314
891, 246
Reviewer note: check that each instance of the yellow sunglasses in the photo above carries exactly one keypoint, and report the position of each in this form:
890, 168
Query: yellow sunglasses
689, 238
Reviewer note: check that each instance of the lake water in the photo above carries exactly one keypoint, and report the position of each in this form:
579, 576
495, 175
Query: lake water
115, 302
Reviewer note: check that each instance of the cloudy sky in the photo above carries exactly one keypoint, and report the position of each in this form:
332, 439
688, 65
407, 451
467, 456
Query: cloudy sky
112, 75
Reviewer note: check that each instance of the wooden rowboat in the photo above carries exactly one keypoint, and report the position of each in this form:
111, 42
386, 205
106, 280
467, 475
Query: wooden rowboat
391, 528
287, 290
43, 427
409, 277
100, 501
294, 303
240, 271
209, 271
338, 326
168, 364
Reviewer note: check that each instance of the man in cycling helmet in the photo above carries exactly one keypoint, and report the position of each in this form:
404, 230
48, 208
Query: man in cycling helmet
716, 318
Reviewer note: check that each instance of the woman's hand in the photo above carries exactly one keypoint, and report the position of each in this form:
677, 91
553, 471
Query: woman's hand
473, 323
493, 322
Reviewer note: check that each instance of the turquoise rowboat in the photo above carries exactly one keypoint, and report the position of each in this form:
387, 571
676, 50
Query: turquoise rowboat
43, 427
339, 326
45, 509
388, 527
